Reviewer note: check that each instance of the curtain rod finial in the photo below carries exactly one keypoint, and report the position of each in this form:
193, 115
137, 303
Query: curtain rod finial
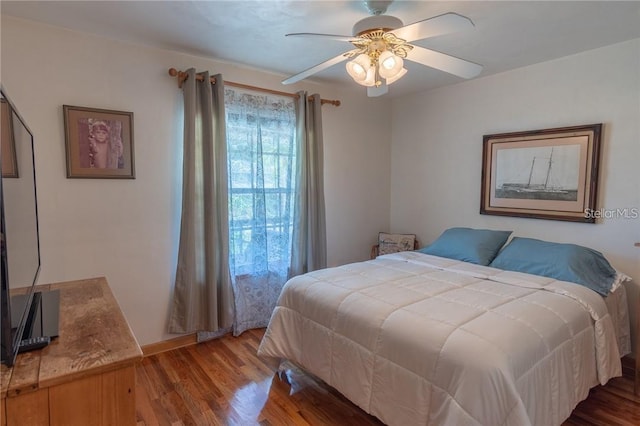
182, 76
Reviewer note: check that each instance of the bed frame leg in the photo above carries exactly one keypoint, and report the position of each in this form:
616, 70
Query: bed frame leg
282, 372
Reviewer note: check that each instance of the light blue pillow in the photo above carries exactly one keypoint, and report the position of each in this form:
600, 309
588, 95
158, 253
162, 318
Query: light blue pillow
565, 262
478, 246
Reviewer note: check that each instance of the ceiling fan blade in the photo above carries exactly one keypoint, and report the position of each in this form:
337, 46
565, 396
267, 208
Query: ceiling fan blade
324, 36
442, 62
315, 69
438, 25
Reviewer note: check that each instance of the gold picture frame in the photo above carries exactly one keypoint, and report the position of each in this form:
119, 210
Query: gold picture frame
98, 143
8, 142
542, 174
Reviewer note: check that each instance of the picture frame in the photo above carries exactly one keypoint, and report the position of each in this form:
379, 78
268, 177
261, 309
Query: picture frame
98, 143
8, 142
542, 174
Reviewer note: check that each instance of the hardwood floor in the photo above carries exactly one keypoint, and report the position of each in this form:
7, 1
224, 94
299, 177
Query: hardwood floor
223, 382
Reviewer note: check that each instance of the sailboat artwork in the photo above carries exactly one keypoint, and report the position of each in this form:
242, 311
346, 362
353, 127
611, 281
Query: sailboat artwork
538, 173
542, 174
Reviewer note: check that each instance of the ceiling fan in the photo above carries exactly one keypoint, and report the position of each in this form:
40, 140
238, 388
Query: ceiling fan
382, 42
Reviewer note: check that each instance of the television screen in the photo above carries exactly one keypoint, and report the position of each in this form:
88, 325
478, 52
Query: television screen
19, 223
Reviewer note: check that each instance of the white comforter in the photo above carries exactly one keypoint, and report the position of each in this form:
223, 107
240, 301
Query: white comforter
416, 339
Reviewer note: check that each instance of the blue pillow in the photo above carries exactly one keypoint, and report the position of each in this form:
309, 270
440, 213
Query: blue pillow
478, 246
565, 262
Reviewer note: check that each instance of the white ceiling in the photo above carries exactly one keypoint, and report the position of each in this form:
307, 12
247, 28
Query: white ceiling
507, 34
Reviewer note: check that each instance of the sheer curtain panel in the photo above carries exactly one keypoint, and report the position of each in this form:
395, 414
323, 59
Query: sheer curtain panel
203, 295
309, 247
262, 156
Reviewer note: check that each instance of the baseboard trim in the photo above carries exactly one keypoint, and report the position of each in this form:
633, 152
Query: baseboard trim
168, 345
628, 365
631, 367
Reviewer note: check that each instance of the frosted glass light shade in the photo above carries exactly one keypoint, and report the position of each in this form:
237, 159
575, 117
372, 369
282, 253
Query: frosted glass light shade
359, 67
390, 64
397, 77
370, 79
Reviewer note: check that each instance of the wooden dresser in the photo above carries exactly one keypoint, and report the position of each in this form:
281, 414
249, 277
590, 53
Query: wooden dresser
86, 376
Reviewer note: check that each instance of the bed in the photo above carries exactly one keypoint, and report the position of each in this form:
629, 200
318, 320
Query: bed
418, 339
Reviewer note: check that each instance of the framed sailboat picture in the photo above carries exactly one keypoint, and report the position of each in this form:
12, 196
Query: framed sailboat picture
542, 174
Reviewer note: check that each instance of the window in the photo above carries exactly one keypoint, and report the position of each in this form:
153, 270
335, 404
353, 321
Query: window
261, 164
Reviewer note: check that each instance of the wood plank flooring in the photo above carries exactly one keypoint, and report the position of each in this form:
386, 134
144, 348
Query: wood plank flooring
223, 382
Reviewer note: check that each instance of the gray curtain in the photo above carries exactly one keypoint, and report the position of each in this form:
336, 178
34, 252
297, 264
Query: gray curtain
309, 240
203, 296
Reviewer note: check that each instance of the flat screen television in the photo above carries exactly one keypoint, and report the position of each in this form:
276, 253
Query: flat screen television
20, 251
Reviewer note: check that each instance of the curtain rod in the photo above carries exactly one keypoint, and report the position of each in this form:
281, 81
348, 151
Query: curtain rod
182, 76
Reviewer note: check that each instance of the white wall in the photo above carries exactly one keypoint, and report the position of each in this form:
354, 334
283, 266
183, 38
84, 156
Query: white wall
437, 148
127, 230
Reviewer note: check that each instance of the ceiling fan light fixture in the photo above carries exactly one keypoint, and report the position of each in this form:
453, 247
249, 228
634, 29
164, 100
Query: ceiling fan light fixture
381, 43
370, 79
396, 77
359, 68
390, 64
